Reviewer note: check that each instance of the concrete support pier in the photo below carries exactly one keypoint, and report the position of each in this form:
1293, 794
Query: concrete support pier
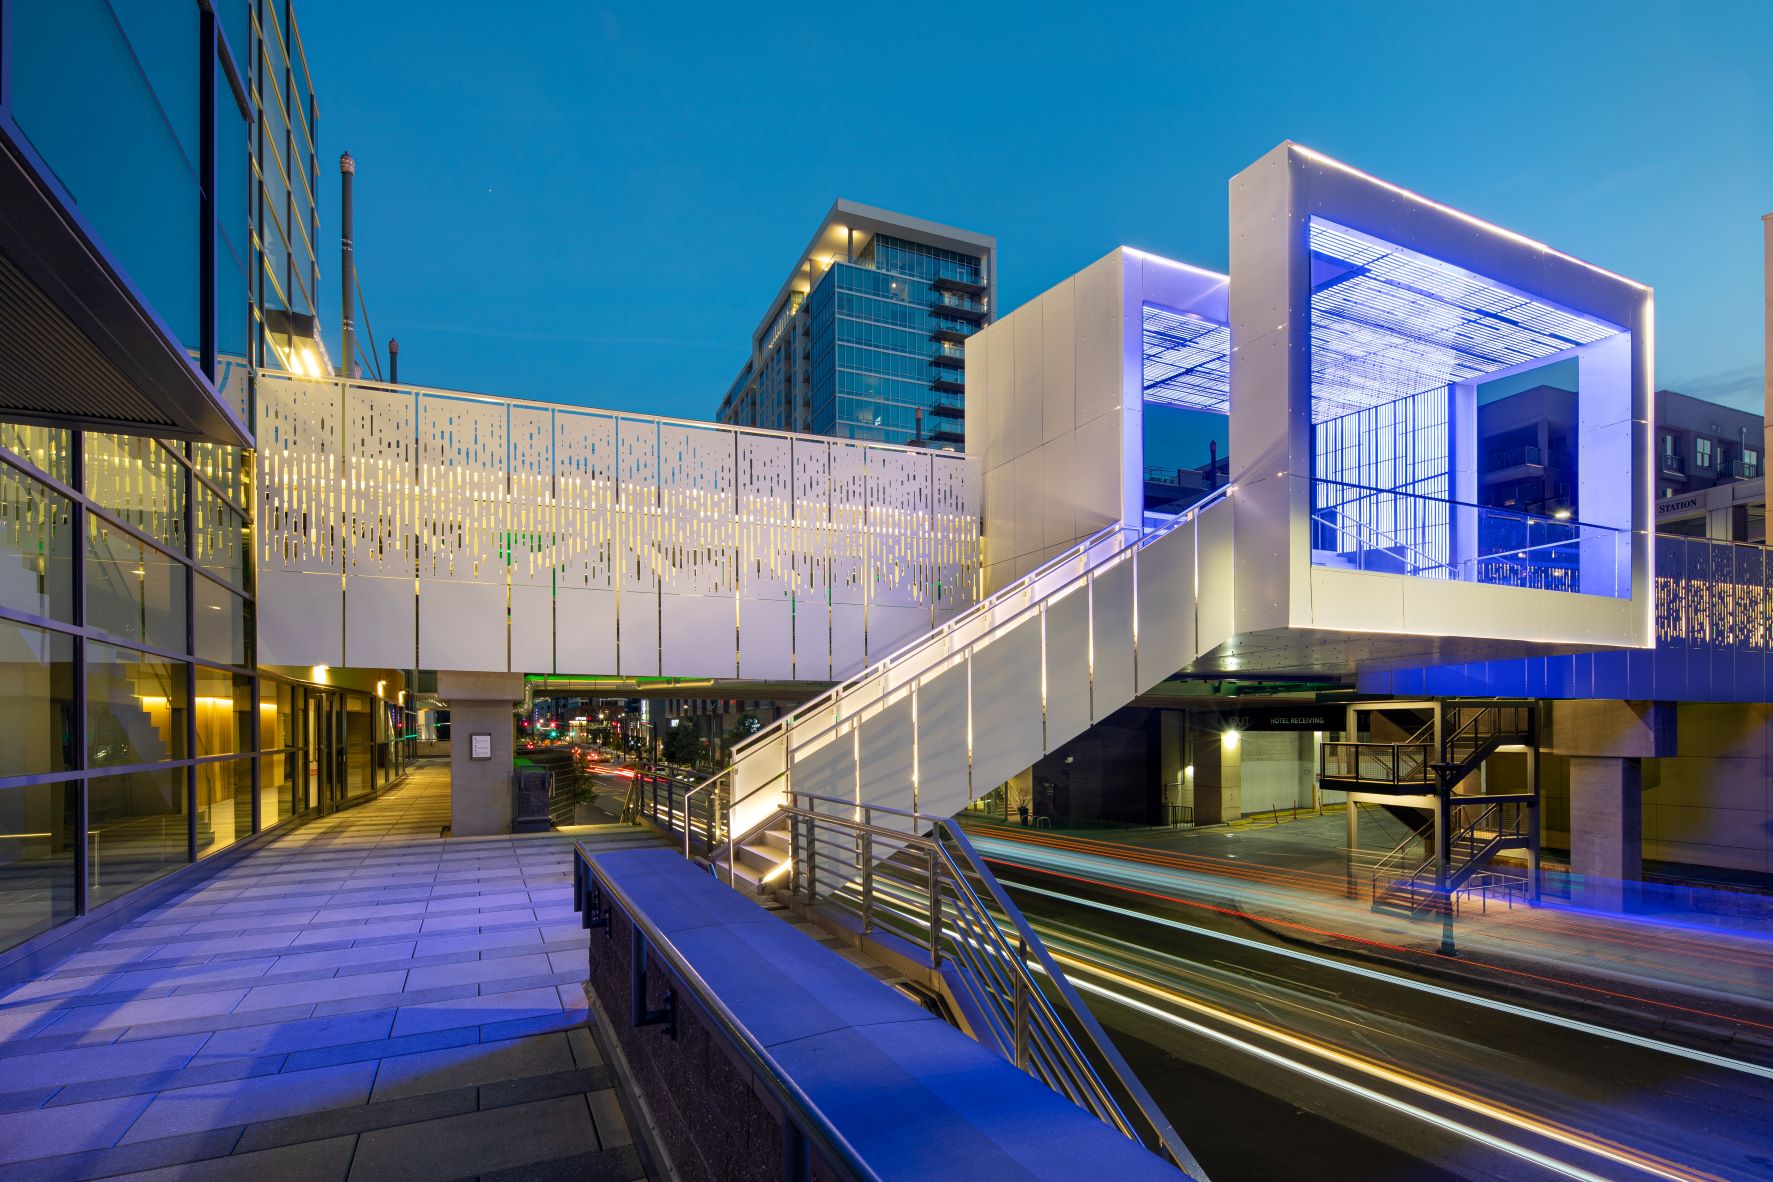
480, 775
1606, 830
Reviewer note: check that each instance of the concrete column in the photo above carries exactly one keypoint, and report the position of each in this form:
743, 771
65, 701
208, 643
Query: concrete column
1606, 829
1218, 776
480, 789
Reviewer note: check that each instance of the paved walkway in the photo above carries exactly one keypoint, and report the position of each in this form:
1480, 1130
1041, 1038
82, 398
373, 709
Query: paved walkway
361, 999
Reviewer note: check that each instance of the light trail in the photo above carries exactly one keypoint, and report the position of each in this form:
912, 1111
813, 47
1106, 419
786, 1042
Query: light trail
1572, 1138
1669, 936
1562, 1023
1275, 921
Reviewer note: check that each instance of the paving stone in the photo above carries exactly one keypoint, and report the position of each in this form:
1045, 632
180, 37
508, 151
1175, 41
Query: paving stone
476, 1142
309, 1161
292, 1093
77, 1126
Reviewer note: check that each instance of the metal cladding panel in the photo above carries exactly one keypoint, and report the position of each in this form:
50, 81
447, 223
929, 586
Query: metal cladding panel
1111, 632
887, 752
531, 527
758, 784
766, 640
698, 635
1214, 574
848, 632
462, 625
638, 540
380, 499
381, 622
1067, 678
1166, 606
463, 494
825, 768
848, 532
812, 519
900, 529
584, 631
944, 783
766, 533
698, 502
638, 634
955, 501
892, 628
585, 476
532, 629
1006, 705
1059, 362
300, 475
301, 619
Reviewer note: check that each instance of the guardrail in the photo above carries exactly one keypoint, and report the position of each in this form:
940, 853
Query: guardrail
918, 878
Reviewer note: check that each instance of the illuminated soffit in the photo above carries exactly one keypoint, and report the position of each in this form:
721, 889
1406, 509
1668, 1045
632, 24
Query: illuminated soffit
1387, 323
1187, 361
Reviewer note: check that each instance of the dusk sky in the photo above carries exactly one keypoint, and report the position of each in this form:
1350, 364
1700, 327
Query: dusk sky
594, 205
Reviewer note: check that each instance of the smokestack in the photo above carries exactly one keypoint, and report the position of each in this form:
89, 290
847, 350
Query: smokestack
393, 361
1767, 337
347, 267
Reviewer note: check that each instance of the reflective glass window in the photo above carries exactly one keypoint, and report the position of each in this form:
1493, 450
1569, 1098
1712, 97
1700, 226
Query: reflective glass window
224, 712
224, 804
219, 544
107, 94
45, 447
36, 701
139, 481
38, 832
133, 591
220, 623
137, 830
36, 548
135, 707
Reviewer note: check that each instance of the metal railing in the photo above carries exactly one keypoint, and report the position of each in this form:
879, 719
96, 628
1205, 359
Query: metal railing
919, 879
1402, 533
800, 1114
1400, 765
1498, 825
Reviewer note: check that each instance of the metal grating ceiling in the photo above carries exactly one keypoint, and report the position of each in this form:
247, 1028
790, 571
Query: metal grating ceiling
1387, 323
1187, 361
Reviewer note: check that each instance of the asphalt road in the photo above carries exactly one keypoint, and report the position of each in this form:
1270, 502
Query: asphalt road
1326, 1066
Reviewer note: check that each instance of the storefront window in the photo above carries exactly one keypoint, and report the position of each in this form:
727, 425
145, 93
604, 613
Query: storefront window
36, 701
36, 547
38, 832
224, 804
137, 830
135, 707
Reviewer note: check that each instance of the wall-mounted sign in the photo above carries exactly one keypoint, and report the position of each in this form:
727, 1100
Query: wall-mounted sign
480, 746
1290, 718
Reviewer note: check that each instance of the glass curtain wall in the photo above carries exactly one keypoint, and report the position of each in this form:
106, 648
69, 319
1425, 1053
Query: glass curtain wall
126, 667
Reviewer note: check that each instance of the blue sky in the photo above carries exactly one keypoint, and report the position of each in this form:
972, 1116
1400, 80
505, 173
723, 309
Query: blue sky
593, 205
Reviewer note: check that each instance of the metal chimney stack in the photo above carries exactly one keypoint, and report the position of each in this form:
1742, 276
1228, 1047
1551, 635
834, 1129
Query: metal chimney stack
1767, 338
347, 269
393, 361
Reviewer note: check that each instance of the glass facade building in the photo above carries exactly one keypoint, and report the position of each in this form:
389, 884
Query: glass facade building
137, 734
867, 339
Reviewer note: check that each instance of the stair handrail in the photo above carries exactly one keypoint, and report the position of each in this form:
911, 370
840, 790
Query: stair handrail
943, 839
1125, 539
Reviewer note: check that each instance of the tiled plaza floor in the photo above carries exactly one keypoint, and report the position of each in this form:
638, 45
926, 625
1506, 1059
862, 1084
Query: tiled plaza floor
362, 999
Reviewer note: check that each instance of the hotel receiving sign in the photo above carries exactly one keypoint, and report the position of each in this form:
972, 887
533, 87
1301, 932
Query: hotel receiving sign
1292, 718
480, 746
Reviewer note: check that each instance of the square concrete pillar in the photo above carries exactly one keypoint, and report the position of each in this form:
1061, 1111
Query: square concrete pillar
1218, 775
1606, 830
480, 789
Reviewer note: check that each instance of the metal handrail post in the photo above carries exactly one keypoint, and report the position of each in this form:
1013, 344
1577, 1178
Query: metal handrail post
935, 888
867, 842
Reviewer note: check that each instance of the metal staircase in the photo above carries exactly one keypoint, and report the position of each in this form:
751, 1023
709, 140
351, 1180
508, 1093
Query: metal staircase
842, 808
1466, 827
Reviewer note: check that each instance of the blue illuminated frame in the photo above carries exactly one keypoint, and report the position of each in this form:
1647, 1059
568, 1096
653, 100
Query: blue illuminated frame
1186, 360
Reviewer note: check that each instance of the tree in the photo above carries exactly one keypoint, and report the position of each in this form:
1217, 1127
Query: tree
682, 745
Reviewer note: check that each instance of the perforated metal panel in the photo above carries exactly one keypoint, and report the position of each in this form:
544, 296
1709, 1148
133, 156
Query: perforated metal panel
554, 539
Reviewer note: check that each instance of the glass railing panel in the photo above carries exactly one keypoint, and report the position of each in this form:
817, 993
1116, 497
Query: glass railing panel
1390, 532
